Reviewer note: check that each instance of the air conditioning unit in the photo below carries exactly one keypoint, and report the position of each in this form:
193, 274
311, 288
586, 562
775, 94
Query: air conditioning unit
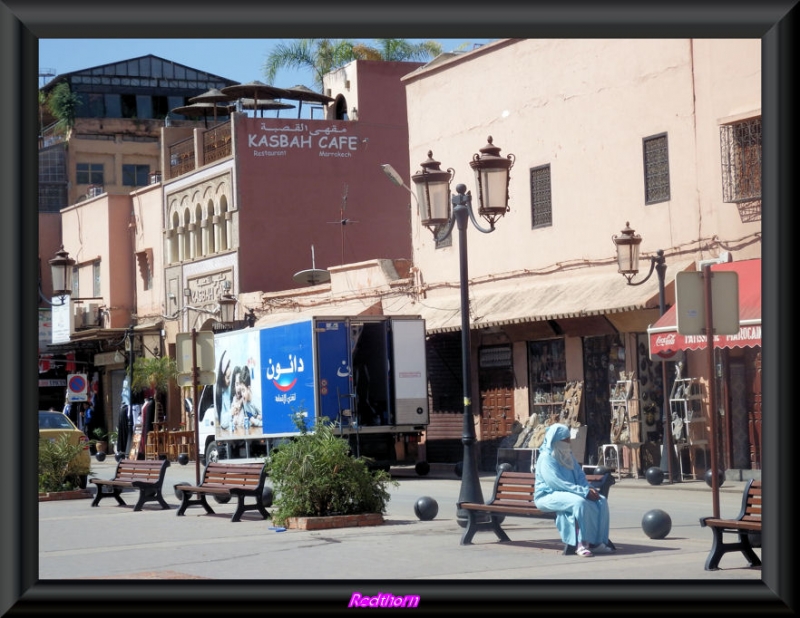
89, 316
95, 190
724, 257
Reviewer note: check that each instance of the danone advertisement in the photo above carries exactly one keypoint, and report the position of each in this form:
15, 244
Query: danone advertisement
287, 376
264, 377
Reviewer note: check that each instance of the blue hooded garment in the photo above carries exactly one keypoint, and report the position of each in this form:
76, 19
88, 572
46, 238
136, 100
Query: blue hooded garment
563, 491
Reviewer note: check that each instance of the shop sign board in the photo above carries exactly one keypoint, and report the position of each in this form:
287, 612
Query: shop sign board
690, 303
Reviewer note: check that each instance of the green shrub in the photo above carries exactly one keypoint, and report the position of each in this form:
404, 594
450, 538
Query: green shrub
60, 465
315, 474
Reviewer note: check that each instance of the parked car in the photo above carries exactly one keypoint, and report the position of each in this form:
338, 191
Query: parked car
52, 425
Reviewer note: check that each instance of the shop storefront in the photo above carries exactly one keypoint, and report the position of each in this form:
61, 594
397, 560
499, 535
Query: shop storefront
737, 362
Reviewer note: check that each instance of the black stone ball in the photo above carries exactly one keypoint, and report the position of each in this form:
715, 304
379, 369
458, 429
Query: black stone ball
426, 508
656, 524
266, 496
100, 456
654, 475
505, 467
459, 469
720, 477
183, 459
422, 468
119, 456
603, 470
178, 492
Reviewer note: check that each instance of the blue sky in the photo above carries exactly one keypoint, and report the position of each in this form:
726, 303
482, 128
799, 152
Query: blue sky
238, 59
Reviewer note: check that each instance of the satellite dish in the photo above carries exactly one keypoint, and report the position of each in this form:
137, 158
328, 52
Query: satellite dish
313, 275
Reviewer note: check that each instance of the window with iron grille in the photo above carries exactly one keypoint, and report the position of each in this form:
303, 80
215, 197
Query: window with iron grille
76, 282
656, 169
135, 175
96, 282
89, 173
740, 143
441, 240
541, 197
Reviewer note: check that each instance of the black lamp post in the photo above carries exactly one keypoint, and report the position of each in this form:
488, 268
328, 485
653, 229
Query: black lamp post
628, 261
434, 198
61, 277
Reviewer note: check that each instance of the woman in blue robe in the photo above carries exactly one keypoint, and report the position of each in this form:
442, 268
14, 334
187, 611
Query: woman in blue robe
582, 516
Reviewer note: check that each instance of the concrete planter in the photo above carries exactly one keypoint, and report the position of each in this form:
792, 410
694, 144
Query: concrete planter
335, 521
66, 495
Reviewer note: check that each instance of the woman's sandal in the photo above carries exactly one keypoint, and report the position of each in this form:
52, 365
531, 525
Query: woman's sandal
584, 552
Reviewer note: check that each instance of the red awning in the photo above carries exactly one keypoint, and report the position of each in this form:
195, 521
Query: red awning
666, 342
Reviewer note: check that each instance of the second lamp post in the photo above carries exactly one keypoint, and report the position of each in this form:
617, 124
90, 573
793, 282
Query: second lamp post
434, 198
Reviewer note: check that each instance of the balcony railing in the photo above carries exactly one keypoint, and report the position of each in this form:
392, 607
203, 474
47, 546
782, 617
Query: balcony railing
217, 143
181, 157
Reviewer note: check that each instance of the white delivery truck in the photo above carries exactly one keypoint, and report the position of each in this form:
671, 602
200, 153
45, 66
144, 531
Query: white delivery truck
366, 374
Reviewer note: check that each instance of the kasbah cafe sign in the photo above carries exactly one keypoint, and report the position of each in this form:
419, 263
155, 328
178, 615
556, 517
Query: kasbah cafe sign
331, 141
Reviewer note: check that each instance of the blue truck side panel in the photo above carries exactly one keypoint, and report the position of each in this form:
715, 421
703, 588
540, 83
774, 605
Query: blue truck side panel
287, 376
335, 379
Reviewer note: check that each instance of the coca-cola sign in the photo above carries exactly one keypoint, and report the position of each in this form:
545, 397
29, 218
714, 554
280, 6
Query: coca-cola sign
667, 345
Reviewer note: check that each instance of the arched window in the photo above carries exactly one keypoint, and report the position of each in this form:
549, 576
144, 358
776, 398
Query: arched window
187, 235
174, 245
341, 108
224, 225
208, 228
199, 247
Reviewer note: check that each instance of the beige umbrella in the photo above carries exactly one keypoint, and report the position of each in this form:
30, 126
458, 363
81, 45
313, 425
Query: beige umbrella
304, 93
259, 91
264, 104
202, 109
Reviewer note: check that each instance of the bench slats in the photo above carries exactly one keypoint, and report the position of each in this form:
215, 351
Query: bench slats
241, 480
748, 521
513, 495
146, 476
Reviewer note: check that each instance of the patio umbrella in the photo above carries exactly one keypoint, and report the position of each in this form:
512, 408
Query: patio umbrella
304, 93
259, 91
264, 104
202, 109
212, 96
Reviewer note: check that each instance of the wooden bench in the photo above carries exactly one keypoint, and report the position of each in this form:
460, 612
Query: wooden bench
746, 523
224, 481
146, 476
513, 495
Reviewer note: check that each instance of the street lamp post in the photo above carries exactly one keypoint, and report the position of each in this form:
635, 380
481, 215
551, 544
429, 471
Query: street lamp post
60, 276
627, 243
434, 198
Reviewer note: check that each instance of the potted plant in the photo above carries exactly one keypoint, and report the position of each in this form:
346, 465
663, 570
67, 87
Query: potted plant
112, 440
100, 442
316, 475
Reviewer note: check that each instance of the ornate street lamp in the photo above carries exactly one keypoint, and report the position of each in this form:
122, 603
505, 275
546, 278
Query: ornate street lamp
227, 308
627, 243
61, 277
434, 198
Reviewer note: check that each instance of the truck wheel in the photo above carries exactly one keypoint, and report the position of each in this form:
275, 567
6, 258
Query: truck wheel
212, 453
422, 468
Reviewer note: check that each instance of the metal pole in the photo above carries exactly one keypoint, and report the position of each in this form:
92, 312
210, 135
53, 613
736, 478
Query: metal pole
712, 398
195, 403
470, 483
661, 271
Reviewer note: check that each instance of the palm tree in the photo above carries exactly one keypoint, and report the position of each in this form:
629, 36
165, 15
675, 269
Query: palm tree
398, 50
63, 104
321, 56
